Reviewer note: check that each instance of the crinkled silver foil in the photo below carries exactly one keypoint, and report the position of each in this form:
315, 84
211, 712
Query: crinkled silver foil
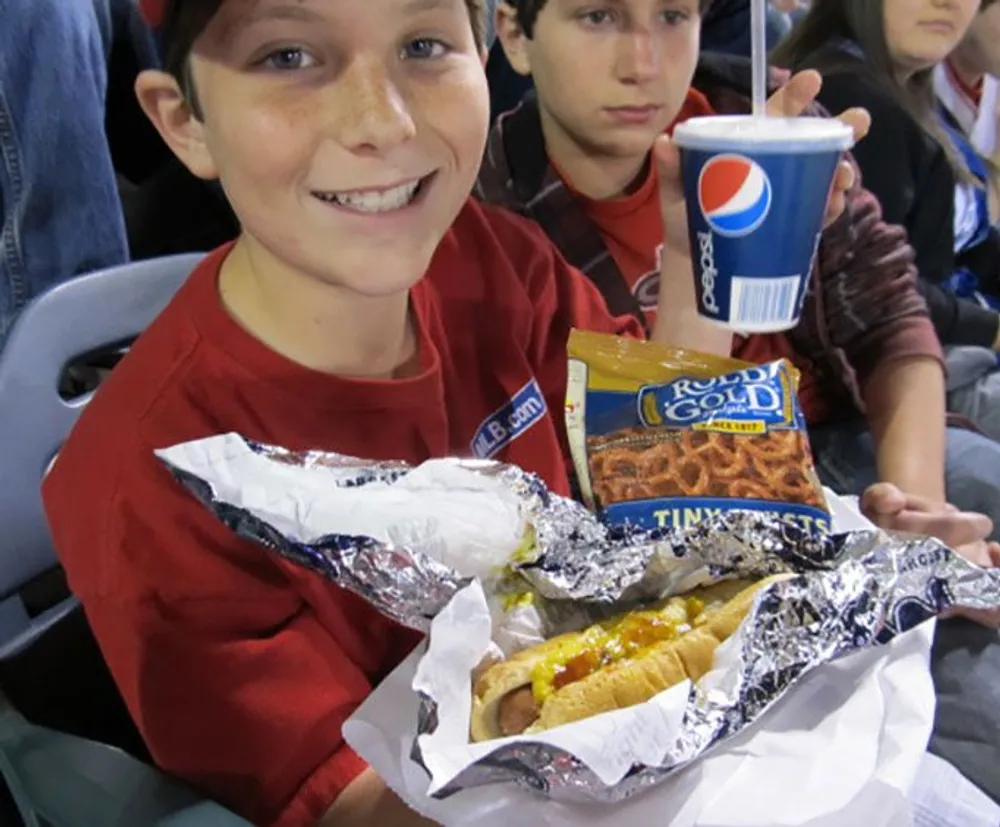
409, 585
845, 593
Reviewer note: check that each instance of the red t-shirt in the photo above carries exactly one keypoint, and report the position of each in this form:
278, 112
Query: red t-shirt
633, 233
238, 667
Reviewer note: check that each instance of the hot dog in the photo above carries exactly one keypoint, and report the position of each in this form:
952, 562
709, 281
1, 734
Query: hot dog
612, 665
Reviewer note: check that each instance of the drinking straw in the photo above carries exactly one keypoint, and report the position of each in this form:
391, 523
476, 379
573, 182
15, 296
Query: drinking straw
758, 26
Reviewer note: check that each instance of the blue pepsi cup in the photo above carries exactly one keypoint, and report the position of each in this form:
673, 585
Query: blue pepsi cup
756, 191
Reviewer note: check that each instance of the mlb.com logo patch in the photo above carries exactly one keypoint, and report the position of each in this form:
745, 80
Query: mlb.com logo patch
734, 194
525, 408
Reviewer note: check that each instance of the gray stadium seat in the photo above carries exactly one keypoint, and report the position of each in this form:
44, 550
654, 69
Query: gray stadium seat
56, 779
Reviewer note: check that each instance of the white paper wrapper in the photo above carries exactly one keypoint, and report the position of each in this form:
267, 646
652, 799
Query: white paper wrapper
841, 750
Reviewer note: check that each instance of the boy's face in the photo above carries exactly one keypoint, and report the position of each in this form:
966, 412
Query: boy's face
611, 75
347, 134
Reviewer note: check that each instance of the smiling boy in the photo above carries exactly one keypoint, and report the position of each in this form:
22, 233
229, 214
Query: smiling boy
369, 307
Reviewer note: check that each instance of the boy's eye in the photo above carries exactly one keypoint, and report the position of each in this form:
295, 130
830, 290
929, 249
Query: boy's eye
288, 59
596, 17
674, 18
424, 48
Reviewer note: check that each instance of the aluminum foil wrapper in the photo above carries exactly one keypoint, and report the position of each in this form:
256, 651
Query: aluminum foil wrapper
407, 583
844, 593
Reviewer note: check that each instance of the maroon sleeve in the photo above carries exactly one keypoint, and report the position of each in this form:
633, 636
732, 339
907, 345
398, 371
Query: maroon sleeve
563, 298
871, 303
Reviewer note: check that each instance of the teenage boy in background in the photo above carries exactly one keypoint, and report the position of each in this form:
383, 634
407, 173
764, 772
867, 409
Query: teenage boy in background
370, 307
610, 79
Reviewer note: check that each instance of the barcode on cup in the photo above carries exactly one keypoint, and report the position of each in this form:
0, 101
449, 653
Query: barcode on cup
763, 301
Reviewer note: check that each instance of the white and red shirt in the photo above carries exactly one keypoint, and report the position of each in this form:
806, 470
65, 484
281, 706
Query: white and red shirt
974, 108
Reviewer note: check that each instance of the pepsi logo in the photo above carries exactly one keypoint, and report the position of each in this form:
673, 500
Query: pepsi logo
734, 194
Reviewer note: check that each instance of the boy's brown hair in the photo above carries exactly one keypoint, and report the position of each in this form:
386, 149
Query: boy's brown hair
528, 11
185, 20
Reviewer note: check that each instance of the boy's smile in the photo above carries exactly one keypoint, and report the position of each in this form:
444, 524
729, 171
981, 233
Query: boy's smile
377, 200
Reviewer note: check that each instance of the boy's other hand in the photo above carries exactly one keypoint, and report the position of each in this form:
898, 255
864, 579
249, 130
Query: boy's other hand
788, 102
891, 509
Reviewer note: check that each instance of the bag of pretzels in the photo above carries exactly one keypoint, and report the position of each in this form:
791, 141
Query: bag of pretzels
664, 438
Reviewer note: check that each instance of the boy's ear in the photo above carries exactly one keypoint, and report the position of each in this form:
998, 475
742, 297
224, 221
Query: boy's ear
512, 37
166, 106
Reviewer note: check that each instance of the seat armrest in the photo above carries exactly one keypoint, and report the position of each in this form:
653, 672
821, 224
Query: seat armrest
66, 781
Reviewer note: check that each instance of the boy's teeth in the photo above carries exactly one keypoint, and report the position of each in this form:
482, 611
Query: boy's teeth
373, 200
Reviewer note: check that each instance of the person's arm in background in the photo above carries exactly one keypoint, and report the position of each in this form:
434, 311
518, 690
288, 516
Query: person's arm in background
916, 191
906, 413
60, 213
876, 316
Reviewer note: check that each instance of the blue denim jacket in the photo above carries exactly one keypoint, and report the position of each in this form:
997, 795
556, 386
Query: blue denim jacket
60, 213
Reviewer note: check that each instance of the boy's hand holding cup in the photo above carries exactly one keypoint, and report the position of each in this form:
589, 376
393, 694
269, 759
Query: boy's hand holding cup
751, 197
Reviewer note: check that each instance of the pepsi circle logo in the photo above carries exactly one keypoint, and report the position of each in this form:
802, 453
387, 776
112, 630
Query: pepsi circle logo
734, 194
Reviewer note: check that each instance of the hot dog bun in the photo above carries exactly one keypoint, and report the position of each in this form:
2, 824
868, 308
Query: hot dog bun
503, 700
